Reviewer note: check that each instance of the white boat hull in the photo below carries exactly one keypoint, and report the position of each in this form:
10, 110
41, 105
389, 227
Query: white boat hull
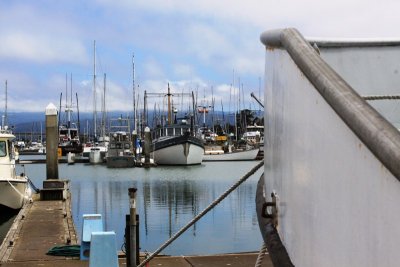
13, 192
179, 154
97, 155
233, 156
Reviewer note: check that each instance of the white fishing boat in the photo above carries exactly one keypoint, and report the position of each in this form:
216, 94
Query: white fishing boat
177, 147
14, 190
177, 143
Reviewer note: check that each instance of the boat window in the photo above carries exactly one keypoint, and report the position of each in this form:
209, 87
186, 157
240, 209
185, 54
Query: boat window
3, 149
127, 146
112, 145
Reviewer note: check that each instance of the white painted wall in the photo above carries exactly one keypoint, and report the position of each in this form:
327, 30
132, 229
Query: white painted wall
370, 71
337, 204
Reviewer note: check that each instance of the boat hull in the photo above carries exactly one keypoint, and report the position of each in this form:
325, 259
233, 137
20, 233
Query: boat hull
120, 161
178, 150
233, 156
13, 192
76, 149
97, 155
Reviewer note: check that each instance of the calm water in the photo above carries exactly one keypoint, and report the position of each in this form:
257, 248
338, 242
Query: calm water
168, 198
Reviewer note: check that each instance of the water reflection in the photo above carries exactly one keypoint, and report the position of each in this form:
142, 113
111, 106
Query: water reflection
7, 217
167, 199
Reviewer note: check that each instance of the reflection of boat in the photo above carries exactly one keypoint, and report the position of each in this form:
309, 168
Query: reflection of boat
176, 143
236, 155
13, 189
119, 154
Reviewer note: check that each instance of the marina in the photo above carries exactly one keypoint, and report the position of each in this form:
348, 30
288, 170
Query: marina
168, 197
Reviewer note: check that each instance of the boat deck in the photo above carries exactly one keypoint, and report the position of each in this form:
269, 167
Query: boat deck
42, 225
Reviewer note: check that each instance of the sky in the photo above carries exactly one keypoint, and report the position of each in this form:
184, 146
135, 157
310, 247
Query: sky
210, 47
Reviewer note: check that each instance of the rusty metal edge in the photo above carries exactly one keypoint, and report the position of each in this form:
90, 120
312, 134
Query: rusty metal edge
277, 251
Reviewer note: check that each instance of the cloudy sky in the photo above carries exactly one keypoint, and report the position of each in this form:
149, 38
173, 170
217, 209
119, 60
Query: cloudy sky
211, 47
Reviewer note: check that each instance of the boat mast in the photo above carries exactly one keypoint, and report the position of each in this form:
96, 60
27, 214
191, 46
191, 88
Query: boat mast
134, 93
94, 91
67, 110
169, 106
103, 110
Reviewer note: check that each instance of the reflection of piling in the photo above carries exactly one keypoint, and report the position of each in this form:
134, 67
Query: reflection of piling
147, 144
51, 142
134, 140
133, 239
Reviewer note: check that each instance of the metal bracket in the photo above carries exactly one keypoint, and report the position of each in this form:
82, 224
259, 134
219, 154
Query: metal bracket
270, 211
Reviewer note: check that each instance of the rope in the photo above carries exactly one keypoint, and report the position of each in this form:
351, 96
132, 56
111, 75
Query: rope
261, 255
16, 190
66, 251
201, 214
381, 97
37, 190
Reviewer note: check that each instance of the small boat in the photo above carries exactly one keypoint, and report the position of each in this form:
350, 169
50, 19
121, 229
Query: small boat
97, 153
14, 190
235, 155
120, 153
177, 143
71, 158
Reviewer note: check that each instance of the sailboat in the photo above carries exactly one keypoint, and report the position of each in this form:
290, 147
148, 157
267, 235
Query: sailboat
176, 143
97, 153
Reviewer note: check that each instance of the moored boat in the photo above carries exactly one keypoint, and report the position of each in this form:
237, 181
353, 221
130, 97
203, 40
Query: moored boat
14, 189
69, 141
174, 145
236, 155
177, 143
120, 153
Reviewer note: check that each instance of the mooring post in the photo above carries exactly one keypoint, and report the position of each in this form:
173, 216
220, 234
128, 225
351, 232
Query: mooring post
132, 226
147, 143
51, 142
53, 187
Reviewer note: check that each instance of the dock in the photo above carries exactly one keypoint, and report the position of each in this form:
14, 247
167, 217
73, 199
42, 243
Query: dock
41, 225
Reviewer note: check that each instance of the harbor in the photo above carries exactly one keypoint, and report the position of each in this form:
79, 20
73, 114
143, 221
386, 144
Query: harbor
174, 202
202, 133
41, 224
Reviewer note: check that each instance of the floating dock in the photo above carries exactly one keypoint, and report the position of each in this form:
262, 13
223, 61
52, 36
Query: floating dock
41, 225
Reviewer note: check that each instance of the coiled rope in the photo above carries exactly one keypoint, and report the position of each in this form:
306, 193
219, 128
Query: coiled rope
261, 255
201, 214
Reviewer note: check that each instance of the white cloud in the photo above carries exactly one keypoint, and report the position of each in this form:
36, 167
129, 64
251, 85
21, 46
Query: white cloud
37, 36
